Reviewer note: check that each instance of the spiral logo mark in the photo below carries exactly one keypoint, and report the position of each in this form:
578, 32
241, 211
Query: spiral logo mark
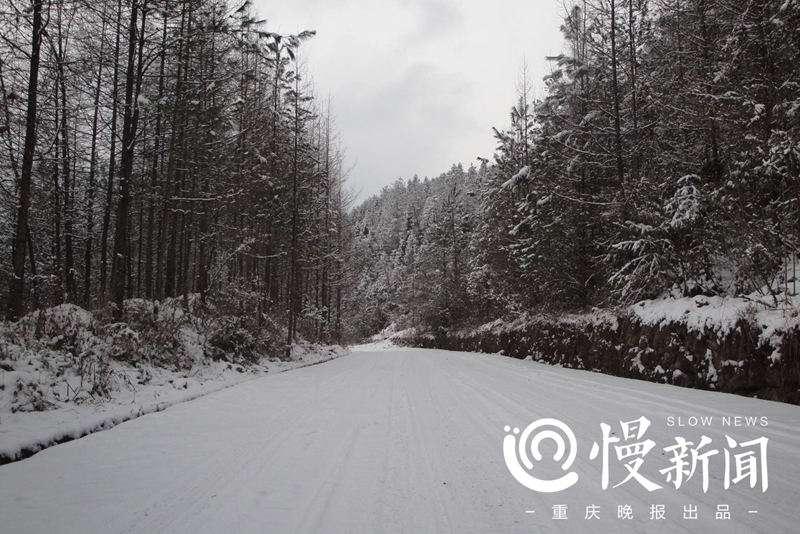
519, 472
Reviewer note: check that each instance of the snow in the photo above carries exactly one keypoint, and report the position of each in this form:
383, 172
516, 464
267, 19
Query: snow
697, 313
637, 362
382, 344
524, 172
400, 440
68, 409
597, 317
721, 315
712, 371
388, 337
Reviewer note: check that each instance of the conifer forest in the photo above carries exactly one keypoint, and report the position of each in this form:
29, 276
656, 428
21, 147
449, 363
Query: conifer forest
175, 149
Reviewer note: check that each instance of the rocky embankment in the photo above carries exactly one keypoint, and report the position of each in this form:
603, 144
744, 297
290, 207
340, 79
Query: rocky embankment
728, 345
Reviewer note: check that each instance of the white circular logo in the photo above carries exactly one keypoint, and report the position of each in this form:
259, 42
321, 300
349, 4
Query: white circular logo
510, 448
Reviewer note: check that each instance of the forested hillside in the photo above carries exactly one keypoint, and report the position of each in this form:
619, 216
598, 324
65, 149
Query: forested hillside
159, 149
162, 148
663, 159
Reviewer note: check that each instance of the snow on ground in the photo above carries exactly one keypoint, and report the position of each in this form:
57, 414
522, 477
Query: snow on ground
699, 313
43, 403
383, 344
384, 340
412, 440
720, 314
389, 337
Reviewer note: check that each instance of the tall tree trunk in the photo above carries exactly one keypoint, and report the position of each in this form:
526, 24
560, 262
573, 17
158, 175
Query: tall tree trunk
58, 266
87, 260
205, 207
616, 97
34, 283
165, 255
634, 103
133, 81
326, 233
189, 234
112, 160
713, 167
293, 270
154, 177
69, 263
17, 284
7, 127
140, 239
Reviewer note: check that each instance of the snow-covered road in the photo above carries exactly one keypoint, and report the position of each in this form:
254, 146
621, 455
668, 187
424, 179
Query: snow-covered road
407, 441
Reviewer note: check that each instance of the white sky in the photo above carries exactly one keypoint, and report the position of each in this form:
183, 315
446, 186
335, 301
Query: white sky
416, 85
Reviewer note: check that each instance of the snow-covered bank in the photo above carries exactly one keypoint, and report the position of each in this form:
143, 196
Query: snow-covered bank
24, 433
64, 374
736, 345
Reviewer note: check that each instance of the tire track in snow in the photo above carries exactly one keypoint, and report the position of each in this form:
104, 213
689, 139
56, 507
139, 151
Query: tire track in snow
228, 462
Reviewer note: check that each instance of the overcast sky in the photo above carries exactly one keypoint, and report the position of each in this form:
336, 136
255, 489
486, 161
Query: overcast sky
417, 85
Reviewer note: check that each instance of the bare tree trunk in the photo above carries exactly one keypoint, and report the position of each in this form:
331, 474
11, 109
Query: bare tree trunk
111, 162
154, 177
87, 260
165, 256
7, 115
58, 266
17, 284
634, 104
69, 263
713, 167
140, 240
203, 233
34, 283
133, 81
189, 237
293, 270
616, 96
